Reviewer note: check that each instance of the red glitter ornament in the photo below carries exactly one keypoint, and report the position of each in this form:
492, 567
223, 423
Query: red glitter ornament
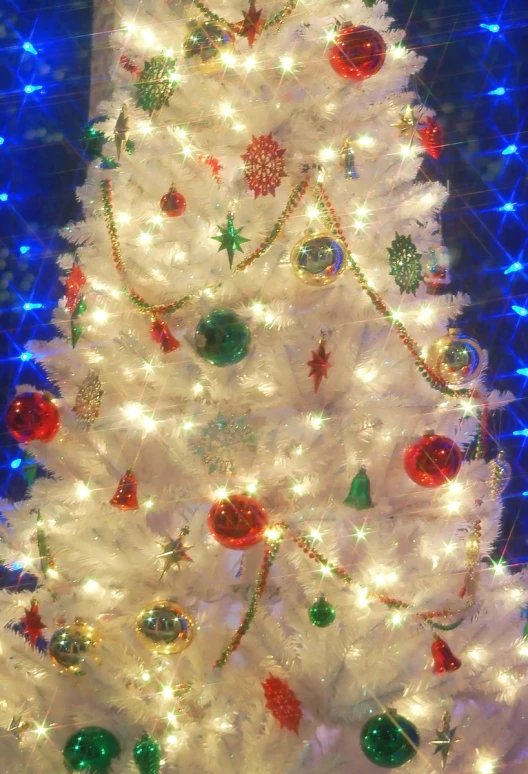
31, 416
237, 522
213, 164
264, 165
433, 460
125, 497
32, 625
444, 659
282, 703
432, 136
357, 53
75, 281
319, 365
173, 204
160, 333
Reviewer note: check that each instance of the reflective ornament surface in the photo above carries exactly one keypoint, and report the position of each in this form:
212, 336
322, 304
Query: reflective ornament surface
222, 338
71, 646
204, 44
433, 460
173, 204
147, 755
455, 358
318, 259
31, 416
165, 627
238, 522
91, 750
358, 496
389, 740
125, 497
357, 53
444, 660
322, 613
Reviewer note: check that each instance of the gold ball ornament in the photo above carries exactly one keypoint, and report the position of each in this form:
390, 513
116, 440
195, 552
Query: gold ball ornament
205, 43
318, 259
455, 358
71, 646
164, 627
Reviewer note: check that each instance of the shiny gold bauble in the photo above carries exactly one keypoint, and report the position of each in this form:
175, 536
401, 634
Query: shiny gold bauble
71, 646
455, 358
165, 627
205, 43
318, 259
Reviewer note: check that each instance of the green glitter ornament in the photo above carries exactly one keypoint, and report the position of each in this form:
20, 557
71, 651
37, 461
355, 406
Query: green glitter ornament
406, 265
359, 496
91, 750
389, 740
155, 85
322, 613
147, 755
222, 338
230, 239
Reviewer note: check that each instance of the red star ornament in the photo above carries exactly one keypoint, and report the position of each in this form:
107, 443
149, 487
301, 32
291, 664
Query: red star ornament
252, 24
32, 625
264, 165
319, 365
75, 281
282, 703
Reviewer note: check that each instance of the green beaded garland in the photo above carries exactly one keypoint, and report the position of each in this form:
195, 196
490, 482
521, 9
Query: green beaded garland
222, 338
389, 740
91, 750
147, 755
322, 613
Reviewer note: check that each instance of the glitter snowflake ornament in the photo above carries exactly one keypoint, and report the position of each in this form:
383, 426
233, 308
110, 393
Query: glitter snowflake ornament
264, 165
221, 440
405, 264
282, 703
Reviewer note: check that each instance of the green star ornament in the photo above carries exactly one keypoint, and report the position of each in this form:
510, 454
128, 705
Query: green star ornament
230, 239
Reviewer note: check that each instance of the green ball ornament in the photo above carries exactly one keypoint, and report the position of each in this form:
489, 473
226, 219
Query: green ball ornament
389, 740
322, 613
91, 750
147, 755
222, 338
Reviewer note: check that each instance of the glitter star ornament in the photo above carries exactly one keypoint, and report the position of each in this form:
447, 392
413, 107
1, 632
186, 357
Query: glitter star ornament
406, 122
230, 239
264, 165
319, 365
18, 726
32, 625
222, 441
282, 703
88, 400
174, 552
252, 23
445, 738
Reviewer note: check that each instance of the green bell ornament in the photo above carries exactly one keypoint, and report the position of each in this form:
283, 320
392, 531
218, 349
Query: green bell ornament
359, 496
222, 338
389, 740
91, 750
322, 613
147, 755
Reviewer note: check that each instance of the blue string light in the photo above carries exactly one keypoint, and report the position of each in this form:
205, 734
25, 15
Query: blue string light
491, 27
499, 92
15, 464
508, 207
31, 88
514, 267
509, 150
2, 140
523, 432
24, 249
522, 371
25, 356
29, 305
30, 48
3, 197
520, 310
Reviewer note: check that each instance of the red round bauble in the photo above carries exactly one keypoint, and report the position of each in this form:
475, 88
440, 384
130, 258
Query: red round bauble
433, 461
172, 203
31, 416
358, 52
238, 522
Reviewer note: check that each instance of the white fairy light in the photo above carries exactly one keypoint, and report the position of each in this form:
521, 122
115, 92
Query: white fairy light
123, 217
133, 410
82, 490
221, 493
228, 58
250, 63
91, 586
100, 316
287, 64
327, 154
365, 141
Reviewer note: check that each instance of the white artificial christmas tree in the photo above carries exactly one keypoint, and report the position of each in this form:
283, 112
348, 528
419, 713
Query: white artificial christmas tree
241, 366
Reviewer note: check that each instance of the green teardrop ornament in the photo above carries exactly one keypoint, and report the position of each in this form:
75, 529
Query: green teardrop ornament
147, 755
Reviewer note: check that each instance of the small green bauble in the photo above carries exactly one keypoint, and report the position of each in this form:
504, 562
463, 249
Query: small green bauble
222, 338
91, 750
322, 613
147, 755
389, 740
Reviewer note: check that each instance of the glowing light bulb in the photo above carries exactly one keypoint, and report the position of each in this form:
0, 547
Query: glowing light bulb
327, 154
100, 316
175, 77
316, 422
455, 487
272, 534
82, 490
145, 238
251, 488
133, 410
398, 52
221, 493
312, 211
287, 64
145, 677
228, 58
198, 389
485, 766
365, 141
250, 63
172, 739
91, 586
406, 151
167, 692
226, 110
315, 534
148, 36
326, 570
41, 730
298, 489
188, 425
149, 424
130, 26
397, 618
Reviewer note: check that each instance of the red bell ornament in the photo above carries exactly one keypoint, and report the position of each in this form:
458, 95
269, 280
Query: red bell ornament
357, 53
173, 204
161, 334
125, 497
237, 522
32, 416
432, 136
444, 659
433, 460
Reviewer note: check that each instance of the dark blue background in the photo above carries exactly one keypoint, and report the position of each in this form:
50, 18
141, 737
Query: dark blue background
41, 163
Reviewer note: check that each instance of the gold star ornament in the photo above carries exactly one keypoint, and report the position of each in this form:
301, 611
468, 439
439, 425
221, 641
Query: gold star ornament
174, 552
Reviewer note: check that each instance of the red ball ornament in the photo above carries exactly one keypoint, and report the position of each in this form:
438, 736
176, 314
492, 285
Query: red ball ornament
173, 203
238, 522
358, 53
433, 461
31, 416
